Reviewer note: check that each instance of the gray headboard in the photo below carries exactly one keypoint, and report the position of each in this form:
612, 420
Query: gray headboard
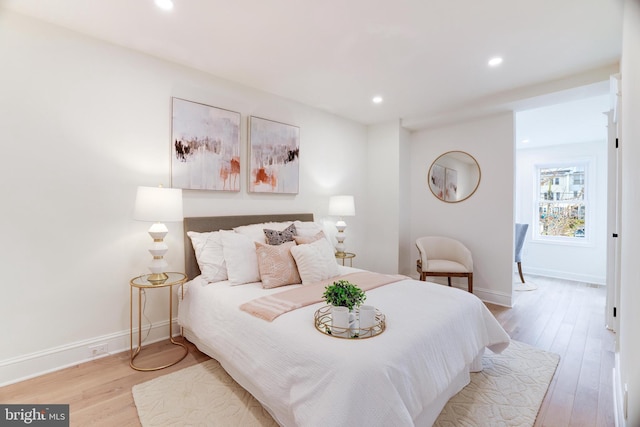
215, 223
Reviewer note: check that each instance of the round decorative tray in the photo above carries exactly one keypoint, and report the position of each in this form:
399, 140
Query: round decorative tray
322, 322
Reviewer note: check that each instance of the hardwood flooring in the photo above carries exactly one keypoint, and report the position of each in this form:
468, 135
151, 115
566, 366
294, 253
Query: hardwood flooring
99, 391
560, 316
568, 318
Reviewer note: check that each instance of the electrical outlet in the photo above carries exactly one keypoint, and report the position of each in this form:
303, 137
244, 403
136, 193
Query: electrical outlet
98, 349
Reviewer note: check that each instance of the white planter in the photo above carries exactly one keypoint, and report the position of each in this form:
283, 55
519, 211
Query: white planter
340, 321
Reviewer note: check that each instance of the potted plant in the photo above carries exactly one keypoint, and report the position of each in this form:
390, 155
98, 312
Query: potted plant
343, 296
343, 293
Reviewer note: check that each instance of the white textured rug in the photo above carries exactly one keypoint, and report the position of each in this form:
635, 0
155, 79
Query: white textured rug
508, 392
528, 286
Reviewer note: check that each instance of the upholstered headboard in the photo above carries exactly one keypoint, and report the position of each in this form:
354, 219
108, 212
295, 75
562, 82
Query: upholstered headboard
215, 223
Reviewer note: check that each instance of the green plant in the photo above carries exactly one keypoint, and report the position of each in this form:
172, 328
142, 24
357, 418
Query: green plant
345, 294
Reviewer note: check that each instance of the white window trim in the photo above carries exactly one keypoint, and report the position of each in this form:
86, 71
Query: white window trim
588, 240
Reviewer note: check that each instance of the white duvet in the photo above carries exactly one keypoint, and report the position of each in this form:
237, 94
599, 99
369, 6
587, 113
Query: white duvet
306, 378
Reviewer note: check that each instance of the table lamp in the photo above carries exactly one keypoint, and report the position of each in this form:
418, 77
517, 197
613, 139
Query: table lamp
341, 206
158, 205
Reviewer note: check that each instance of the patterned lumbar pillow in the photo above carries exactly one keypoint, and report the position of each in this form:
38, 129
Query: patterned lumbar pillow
275, 237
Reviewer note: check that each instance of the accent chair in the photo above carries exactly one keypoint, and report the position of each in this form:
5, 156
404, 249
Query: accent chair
444, 257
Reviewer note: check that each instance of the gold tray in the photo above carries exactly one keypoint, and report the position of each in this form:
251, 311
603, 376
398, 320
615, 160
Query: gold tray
322, 322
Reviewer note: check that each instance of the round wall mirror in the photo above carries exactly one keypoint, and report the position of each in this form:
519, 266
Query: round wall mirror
454, 176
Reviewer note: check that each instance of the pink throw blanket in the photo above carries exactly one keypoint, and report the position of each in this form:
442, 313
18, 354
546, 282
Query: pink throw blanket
271, 306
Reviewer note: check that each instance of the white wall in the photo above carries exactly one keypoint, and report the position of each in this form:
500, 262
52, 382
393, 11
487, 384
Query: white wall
484, 222
388, 199
583, 262
82, 124
405, 206
628, 371
382, 209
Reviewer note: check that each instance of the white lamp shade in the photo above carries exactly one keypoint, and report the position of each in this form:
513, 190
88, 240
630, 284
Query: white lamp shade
342, 206
158, 204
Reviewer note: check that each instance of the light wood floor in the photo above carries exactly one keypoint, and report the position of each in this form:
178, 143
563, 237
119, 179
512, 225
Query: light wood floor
563, 317
568, 318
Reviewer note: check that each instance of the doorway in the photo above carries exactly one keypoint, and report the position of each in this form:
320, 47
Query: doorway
559, 138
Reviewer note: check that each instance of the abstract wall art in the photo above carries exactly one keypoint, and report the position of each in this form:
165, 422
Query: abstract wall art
205, 147
274, 149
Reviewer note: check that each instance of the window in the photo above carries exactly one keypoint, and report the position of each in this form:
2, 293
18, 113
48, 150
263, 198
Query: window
562, 202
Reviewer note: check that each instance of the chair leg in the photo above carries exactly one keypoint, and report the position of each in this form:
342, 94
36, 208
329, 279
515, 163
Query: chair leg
520, 271
470, 284
449, 280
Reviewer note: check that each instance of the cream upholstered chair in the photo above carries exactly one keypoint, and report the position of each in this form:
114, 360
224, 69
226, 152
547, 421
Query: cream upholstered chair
444, 257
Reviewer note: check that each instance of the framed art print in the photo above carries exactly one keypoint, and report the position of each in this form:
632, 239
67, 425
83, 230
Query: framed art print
451, 185
436, 180
274, 150
205, 147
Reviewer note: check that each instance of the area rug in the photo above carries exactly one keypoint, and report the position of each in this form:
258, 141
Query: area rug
527, 286
508, 392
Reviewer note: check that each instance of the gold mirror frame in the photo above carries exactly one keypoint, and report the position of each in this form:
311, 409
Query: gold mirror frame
454, 176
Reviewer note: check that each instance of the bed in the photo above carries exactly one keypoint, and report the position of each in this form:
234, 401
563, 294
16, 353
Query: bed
434, 337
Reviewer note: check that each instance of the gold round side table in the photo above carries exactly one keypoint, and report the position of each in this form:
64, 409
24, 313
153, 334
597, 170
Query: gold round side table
143, 283
346, 255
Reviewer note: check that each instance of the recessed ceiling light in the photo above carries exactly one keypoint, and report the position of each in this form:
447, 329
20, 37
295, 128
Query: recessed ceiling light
494, 62
377, 99
164, 4
525, 141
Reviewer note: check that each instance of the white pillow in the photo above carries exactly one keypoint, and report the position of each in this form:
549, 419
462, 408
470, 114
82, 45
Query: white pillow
240, 257
307, 228
256, 231
316, 261
208, 249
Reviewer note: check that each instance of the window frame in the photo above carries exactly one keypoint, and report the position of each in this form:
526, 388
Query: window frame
588, 183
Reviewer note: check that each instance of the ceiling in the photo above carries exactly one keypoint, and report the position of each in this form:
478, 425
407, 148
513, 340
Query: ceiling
577, 121
426, 58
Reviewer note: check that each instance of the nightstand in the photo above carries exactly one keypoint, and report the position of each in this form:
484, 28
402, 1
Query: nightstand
346, 255
142, 283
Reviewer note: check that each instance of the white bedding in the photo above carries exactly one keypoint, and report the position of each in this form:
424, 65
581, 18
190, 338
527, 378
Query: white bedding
305, 378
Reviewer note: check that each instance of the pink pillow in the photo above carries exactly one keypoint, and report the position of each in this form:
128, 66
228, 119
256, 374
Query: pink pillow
276, 264
302, 240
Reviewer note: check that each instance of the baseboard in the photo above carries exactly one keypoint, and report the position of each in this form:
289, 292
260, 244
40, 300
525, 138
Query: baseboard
486, 295
556, 274
53, 359
619, 396
493, 297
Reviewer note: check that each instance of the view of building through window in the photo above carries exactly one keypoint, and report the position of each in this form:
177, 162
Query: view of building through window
562, 202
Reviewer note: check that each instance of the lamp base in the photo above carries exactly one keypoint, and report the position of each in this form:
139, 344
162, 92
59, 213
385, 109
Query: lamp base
158, 265
157, 278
